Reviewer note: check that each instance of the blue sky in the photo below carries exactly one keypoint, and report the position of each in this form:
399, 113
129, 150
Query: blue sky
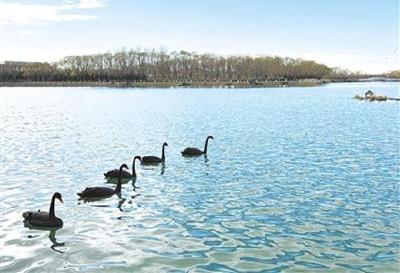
358, 35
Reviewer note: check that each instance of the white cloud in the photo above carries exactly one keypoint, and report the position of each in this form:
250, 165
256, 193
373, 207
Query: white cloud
12, 13
85, 4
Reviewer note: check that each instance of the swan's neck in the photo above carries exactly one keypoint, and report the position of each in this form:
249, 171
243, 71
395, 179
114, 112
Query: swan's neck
133, 167
51, 210
163, 154
206, 145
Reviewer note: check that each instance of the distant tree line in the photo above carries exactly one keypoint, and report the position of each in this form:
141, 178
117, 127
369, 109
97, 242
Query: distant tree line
160, 66
394, 74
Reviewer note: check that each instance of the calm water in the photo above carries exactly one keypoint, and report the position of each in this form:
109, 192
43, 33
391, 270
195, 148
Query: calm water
297, 179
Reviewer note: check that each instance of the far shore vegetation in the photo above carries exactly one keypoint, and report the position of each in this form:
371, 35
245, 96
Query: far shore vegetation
138, 68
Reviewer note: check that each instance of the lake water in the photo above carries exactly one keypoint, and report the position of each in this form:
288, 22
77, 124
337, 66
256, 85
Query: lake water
297, 179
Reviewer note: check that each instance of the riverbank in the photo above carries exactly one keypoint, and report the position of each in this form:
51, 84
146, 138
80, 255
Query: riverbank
299, 83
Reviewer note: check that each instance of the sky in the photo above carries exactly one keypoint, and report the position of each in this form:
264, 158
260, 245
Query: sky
359, 35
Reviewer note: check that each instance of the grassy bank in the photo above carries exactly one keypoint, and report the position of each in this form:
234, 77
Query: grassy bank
298, 83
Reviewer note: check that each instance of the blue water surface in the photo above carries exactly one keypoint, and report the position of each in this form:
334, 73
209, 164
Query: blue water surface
297, 179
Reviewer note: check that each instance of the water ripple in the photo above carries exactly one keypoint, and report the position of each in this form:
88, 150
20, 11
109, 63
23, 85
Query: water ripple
297, 179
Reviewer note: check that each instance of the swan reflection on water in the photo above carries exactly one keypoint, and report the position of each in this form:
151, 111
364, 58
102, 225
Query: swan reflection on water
53, 239
125, 181
153, 167
121, 201
190, 158
97, 199
52, 236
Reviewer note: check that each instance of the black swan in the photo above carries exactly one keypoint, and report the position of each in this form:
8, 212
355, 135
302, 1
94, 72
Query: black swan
196, 152
43, 218
100, 192
149, 160
124, 174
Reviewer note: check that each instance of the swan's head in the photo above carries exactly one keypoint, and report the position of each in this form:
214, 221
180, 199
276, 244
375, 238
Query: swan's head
58, 196
137, 157
165, 144
123, 166
211, 137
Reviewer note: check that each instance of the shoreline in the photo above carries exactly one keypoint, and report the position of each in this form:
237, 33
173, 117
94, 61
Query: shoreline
267, 84
300, 83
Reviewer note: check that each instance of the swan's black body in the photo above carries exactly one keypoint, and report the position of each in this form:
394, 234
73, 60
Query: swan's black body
42, 218
124, 174
101, 192
151, 160
191, 151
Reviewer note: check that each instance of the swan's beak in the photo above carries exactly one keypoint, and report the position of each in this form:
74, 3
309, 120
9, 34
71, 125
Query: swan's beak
61, 200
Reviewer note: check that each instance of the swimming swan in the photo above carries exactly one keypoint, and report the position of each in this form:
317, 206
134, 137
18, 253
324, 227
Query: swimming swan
124, 174
43, 218
149, 160
191, 151
100, 192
